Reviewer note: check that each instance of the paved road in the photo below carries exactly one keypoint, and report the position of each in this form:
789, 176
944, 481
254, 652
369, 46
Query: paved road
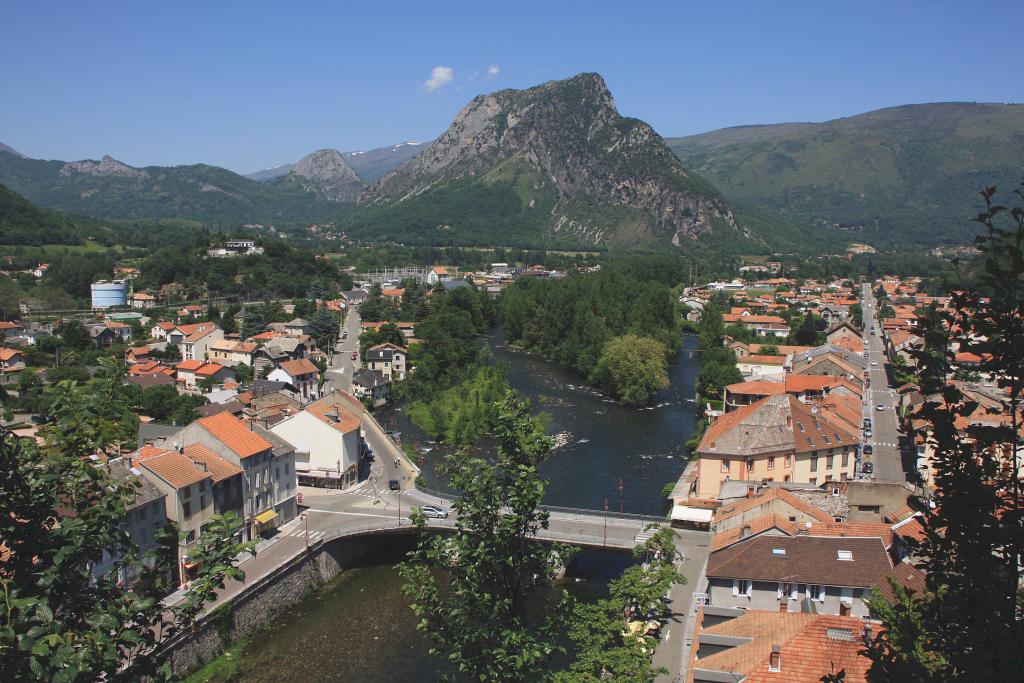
885, 438
339, 372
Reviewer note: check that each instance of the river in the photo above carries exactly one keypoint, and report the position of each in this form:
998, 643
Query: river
604, 443
360, 628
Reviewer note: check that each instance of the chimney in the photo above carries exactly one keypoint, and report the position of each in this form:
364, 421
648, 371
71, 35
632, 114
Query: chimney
866, 634
789, 421
775, 658
744, 531
750, 491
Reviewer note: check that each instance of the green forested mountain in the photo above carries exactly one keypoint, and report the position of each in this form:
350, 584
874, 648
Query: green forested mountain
902, 175
215, 196
21, 222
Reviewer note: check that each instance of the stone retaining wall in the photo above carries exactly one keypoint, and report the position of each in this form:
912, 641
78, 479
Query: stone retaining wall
267, 598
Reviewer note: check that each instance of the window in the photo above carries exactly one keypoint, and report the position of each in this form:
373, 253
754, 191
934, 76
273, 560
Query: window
814, 592
814, 464
779, 551
830, 461
286, 468
725, 465
813, 481
202, 501
787, 591
835, 490
785, 461
828, 478
771, 463
190, 537
845, 555
277, 474
186, 492
741, 587
846, 459
186, 508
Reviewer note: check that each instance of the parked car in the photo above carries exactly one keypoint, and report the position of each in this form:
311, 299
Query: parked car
867, 468
867, 423
434, 511
868, 450
867, 432
355, 355
879, 407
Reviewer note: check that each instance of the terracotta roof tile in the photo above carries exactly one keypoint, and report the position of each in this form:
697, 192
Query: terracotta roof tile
233, 433
296, 368
174, 468
219, 468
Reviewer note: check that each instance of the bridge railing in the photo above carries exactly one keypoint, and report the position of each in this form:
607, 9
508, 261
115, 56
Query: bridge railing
576, 512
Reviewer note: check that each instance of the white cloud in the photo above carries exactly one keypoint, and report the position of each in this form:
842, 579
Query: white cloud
493, 70
440, 76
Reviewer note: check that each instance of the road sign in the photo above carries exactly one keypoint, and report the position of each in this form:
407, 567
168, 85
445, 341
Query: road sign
299, 498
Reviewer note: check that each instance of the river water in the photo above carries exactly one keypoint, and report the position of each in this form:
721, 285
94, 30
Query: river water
360, 627
604, 443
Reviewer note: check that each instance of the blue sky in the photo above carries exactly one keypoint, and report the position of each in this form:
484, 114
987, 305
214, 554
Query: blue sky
247, 85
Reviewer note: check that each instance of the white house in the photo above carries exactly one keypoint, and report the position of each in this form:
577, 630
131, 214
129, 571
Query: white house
326, 439
301, 374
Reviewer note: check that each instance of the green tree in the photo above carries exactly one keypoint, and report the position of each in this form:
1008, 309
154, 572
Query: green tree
609, 635
59, 622
493, 617
73, 335
857, 315
633, 369
968, 624
323, 328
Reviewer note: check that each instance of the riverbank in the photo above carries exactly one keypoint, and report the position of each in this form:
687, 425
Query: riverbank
600, 444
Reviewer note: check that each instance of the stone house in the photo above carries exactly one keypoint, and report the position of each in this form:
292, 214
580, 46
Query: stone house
301, 374
388, 360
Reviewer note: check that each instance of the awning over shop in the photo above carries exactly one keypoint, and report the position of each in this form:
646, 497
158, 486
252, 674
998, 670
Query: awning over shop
683, 513
265, 516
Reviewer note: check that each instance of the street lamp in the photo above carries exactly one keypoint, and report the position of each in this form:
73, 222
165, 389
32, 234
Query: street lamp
305, 521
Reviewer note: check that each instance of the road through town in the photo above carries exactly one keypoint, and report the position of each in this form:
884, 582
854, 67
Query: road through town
885, 437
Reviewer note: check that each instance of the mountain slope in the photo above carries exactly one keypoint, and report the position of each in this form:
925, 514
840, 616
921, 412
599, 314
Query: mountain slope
556, 161
326, 171
4, 149
111, 189
902, 175
21, 222
374, 164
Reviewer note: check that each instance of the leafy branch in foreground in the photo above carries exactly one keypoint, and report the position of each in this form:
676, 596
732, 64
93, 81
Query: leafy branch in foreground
60, 513
968, 624
483, 593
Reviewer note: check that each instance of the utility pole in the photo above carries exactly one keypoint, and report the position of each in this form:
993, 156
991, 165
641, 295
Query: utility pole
620, 496
305, 520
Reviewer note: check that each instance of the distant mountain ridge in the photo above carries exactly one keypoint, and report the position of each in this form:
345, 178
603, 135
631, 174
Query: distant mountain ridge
901, 175
4, 149
111, 189
369, 165
562, 163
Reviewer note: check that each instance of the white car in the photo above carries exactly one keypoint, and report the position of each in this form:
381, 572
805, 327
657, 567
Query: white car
874, 363
879, 407
434, 511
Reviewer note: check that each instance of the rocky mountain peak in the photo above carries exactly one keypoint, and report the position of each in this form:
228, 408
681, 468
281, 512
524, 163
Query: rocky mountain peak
327, 171
107, 166
566, 138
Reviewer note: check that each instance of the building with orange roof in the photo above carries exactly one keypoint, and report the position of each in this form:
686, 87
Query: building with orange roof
189, 494
756, 646
11, 360
301, 374
269, 484
327, 441
231, 352
778, 438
